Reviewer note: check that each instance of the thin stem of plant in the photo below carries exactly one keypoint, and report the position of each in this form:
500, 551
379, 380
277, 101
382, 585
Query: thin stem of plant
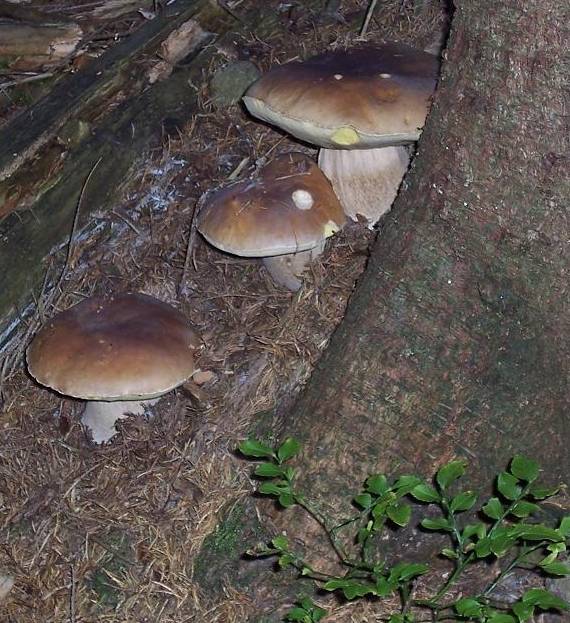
321, 520
514, 563
367, 18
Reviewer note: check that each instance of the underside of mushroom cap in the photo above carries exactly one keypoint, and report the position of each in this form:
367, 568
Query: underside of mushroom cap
123, 347
365, 97
289, 207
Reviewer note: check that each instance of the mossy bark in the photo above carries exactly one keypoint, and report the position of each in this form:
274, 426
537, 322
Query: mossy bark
456, 341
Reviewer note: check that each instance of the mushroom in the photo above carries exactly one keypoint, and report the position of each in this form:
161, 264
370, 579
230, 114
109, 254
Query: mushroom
118, 353
283, 215
360, 106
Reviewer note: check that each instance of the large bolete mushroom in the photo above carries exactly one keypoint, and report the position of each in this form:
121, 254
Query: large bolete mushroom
283, 215
360, 106
118, 353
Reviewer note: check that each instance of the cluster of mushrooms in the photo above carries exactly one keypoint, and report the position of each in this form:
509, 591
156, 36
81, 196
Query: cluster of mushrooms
361, 107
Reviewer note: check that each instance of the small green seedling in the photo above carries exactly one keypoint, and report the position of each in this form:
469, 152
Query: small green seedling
502, 529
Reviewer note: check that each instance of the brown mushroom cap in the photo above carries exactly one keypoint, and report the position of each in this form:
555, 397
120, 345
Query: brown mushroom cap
361, 98
124, 347
289, 207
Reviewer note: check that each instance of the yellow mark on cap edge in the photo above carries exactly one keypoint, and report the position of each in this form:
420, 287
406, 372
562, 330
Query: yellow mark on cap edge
330, 228
345, 136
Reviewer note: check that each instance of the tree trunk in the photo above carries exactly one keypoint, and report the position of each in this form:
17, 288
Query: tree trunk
455, 342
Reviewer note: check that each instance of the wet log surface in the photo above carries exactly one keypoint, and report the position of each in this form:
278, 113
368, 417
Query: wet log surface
99, 121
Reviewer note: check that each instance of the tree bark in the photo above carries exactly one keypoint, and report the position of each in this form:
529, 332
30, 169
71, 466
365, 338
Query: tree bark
455, 342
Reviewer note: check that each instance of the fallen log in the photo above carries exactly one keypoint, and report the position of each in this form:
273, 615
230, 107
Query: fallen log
47, 153
33, 47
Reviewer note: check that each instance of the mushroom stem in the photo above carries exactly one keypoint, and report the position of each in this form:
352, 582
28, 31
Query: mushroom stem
286, 269
366, 181
99, 416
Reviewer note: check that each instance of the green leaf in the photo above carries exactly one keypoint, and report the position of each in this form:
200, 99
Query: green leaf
425, 493
450, 472
298, 614
556, 568
289, 473
523, 611
493, 616
405, 571
493, 509
287, 500
508, 486
363, 500
564, 527
285, 560
318, 614
468, 607
406, 483
502, 540
536, 532
363, 534
463, 501
350, 588
385, 588
377, 484
449, 553
288, 449
544, 599
436, 524
401, 618
280, 542
400, 514
483, 547
274, 488
540, 492
306, 611
524, 468
268, 470
524, 509
557, 547
474, 529
381, 504
255, 449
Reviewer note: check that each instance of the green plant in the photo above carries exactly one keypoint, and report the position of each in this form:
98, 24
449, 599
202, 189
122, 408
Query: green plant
501, 530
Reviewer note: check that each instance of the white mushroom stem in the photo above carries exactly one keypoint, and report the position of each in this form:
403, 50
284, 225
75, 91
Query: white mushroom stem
366, 181
286, 269
99, 416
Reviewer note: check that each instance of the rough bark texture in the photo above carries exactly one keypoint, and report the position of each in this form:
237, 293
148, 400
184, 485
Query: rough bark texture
456, 340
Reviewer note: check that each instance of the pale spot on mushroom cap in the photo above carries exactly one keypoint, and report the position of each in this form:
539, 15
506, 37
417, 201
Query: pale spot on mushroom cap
338, 76
302, 199
345, 136
330, 228
385, 75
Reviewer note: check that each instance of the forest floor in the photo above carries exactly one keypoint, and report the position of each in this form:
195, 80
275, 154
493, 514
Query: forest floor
111, 533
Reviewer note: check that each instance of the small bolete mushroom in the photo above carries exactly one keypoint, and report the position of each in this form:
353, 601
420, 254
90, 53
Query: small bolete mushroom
360, 105
284, 215
118, 353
